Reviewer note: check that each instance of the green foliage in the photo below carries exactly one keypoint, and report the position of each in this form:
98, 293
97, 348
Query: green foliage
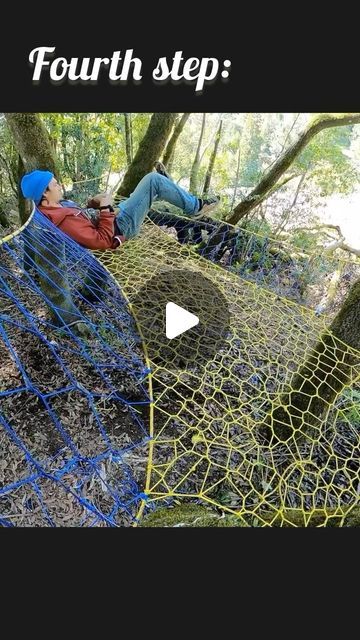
8, 168
351, 406
190, 515
91, 146
257, 225
327, 161
304, 240
251, 144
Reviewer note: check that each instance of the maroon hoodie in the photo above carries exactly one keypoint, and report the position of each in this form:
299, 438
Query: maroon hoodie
75, 224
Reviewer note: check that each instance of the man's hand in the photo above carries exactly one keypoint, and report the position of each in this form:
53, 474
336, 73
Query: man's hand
100, 200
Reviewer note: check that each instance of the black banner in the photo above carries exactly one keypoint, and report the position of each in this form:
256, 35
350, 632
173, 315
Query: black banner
125, 73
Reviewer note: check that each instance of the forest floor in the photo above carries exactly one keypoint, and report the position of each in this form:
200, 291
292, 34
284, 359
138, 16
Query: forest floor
95, 423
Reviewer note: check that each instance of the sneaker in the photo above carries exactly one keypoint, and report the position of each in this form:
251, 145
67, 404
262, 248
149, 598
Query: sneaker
206, 206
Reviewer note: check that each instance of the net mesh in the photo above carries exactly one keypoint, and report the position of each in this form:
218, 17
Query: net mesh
267, 425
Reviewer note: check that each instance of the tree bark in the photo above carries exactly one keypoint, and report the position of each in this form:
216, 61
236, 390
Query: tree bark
25, 208
11, 174
212, 161
4, 220
23, 204
46, 258
33, 142
131, 138
196, 515
150, 150
128, 139
330, 366
269, 180
237, 173
196, 164
168, 158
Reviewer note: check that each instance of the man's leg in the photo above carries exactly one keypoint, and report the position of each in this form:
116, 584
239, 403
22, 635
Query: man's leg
153, 185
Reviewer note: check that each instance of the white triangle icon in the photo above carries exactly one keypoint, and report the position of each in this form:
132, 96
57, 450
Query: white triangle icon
178, 320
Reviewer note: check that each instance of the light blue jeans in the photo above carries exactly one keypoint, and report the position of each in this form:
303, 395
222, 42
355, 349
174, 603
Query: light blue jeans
152, 186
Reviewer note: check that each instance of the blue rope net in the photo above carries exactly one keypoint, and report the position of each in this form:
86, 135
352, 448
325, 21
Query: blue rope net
74, 399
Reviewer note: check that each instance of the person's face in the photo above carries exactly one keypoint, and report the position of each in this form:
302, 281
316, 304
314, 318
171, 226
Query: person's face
54, 191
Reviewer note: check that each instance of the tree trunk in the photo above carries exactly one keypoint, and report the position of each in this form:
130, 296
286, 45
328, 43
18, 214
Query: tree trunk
131, 138
196, 164
196, 515
4, 220
11, 172
330, 366
150, 149
128, 139
23, 204
25, 208
35, 151
168, 158
237, 173
266, 184
212, 161
33, 142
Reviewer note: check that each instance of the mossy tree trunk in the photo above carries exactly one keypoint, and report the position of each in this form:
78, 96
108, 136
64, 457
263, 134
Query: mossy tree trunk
238, 161
169, 153
23, 203
212, 161
128, 138
4, 220
25, 208
194, 174
332, 364
150, 149
268, 181
36, 152
33, 142
195, 515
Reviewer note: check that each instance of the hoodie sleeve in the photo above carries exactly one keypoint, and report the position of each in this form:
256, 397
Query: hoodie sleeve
100, 237
82, 230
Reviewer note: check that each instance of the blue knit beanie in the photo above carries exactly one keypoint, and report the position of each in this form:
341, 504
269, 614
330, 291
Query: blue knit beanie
33, 184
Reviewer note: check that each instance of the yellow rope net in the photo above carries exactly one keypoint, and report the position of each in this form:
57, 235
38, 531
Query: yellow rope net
209, 420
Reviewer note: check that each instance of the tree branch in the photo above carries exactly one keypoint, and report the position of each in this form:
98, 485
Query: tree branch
266, 184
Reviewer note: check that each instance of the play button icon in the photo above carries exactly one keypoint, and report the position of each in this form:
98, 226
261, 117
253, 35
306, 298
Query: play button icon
183, 318
178, 320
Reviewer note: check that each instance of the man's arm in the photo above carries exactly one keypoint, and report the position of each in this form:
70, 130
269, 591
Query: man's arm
84, 232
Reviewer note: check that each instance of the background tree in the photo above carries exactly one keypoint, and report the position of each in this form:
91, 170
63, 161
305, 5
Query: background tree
330, 366
33, 142
36, 151
128, 138
212, 161
169, 153
194, 173
238, 161
150, 149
